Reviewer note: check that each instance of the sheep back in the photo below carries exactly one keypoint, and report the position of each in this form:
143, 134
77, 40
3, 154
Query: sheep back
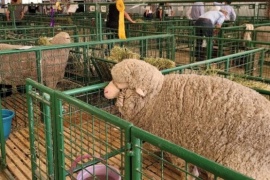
138, 74
17, 67
214, 117
263, 36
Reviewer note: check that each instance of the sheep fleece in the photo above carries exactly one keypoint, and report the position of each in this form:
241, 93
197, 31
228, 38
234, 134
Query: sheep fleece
16, 67
212, 116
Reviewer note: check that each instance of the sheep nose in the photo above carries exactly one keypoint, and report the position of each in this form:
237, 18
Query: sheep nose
105, 92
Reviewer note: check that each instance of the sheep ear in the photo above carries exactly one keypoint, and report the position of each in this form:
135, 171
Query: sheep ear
140, 92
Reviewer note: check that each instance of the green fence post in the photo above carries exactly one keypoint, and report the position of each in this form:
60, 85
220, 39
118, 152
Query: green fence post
2, 140
48, 137
209, 47
136, 158
58, 145
31, 130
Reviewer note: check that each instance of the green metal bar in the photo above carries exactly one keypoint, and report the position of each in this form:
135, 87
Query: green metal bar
172, 53
227, 66
143, 48
86, 89
261, 62
48, 137
97, 112
94, 110
166, 71
58, 138
31, 130
86, 78
38, 62
30, 95
188, 156
209, 47
2, 140
136, 158
99, 26
12, 14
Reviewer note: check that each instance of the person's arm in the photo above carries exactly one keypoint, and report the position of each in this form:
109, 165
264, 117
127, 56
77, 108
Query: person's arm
8, 15
128, 17
188, 13
22, 15
233, 15
218, 25
201, 10
217, 3
216, 30
172, 13
146, 12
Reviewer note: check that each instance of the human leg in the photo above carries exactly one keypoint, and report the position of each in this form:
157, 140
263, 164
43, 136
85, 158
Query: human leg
199, 33
112, 34
205, 29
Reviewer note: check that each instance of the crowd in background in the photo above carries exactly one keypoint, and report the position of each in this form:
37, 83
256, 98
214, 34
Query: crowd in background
193, 12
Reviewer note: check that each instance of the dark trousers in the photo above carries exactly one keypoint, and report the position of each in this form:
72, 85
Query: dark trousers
112, 34
203, 27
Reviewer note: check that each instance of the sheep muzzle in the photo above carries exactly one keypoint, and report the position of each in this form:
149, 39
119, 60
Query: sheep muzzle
111, 91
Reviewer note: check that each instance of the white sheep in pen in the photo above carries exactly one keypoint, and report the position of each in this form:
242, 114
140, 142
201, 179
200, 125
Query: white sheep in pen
16, 67
262, 36
212, 116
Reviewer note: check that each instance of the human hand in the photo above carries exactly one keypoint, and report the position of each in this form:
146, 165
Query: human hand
215, 32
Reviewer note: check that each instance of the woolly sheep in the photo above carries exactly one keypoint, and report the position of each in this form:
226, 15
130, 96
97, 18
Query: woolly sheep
262, 35
16, 67
212, 116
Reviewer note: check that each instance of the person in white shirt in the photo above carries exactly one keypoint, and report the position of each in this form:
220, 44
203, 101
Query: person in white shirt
168, 11
195, 11
231, 16
205, 27
148, 13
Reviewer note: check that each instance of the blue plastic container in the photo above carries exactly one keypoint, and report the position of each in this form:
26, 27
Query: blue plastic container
7, 116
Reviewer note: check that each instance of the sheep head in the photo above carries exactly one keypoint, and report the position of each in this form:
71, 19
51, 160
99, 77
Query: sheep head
111, 91
61, 38
135, 75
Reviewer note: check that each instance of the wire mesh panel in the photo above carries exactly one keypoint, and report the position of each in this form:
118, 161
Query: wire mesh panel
64, 67
31, 34
41, 137
229, 41
156, 156
247, 68
86, 136
147, 46
259, 37
78, 136
156, 26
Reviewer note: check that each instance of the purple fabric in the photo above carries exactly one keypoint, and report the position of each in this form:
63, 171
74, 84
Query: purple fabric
52, 18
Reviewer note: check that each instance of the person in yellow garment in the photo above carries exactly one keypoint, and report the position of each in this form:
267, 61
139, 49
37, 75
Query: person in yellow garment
113, 23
